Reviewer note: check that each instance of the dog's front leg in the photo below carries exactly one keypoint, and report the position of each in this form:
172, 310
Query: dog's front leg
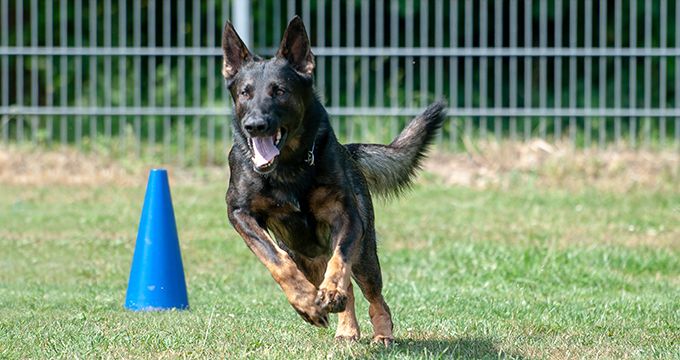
346, 232
300, 292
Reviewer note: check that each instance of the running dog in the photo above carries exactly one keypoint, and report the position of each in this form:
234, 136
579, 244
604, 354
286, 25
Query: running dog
300, 199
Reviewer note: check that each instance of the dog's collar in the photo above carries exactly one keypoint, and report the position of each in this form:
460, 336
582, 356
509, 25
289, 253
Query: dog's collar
310, 155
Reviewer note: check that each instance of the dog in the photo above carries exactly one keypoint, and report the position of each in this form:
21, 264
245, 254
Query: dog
300, 200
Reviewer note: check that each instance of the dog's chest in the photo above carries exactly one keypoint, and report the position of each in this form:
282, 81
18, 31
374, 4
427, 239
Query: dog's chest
292, 223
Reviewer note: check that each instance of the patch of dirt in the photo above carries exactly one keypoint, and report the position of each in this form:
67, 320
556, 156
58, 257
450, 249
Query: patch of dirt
501, 165
486, 165
66, 166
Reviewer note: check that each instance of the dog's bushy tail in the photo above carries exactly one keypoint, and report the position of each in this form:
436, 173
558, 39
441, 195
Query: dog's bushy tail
389, 169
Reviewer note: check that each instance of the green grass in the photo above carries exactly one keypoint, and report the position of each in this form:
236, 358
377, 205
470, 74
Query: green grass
519, 273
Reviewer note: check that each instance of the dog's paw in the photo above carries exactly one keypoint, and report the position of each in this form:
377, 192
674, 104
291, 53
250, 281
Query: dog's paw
314, 315
387, 341
332, 301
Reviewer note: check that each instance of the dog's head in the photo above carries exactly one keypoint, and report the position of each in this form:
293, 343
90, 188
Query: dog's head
270, 96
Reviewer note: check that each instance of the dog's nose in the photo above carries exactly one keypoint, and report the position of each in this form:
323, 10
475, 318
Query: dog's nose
256, 125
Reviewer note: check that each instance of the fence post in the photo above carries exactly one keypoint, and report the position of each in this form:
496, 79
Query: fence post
242, 20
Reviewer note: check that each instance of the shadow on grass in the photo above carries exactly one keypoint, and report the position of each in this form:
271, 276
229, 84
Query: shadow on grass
465, 348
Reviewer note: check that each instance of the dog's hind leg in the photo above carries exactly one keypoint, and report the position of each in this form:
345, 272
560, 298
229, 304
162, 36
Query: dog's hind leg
348, 327
368, 277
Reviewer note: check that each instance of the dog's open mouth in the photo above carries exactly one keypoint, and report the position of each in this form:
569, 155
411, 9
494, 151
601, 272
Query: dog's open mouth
266, 150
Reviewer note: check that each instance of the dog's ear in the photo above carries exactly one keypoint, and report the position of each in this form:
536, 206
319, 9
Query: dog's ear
295, 47
235, 52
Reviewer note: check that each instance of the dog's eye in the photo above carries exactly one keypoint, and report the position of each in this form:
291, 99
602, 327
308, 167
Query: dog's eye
244, 92
279, 91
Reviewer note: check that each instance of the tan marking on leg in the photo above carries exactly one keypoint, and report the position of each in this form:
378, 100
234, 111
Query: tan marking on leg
301, 293
381, 319
348, 327
332, 294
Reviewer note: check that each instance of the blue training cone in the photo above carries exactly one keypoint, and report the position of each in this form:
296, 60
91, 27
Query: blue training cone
157, 275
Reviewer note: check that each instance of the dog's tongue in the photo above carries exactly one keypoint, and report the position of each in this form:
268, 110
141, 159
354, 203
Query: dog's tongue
264, 150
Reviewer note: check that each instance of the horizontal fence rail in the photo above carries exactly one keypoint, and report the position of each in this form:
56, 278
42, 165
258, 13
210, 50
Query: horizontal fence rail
144, 77
344, 111
354, 51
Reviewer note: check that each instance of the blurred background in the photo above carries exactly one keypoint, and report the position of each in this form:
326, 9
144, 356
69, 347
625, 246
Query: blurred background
143, 77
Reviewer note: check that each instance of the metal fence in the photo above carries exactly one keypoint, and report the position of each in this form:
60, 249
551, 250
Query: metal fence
145, 77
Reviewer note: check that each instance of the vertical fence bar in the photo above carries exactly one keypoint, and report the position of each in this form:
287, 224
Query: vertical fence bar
557, 76
137, 64
349, 63
647, 127
424, 43
573, 22
618, 41
365, 74
276, 17
602, 87
321, 42
632, 81
122, 71
677, 73
335, 61
483, 64
4, 68
107, 67
468, 66
588, 69
92, 60
512, 72
306, 12
78, 18
181, 81
226, 130
527, 66
19, 68
210, 79
394, 62
408, 62
167, 73
453, 72
379, 61
349, 69
439, 61
151, 72
663, 42
263, 19
290, 9
243, 20
498, 66
63, 70
34, 69
78, 32
543, 67
196, 77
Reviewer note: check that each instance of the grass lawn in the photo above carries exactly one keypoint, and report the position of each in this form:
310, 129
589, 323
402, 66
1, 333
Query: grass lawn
512, 273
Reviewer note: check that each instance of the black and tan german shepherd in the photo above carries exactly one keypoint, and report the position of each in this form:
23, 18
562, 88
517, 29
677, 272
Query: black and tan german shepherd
300, 199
